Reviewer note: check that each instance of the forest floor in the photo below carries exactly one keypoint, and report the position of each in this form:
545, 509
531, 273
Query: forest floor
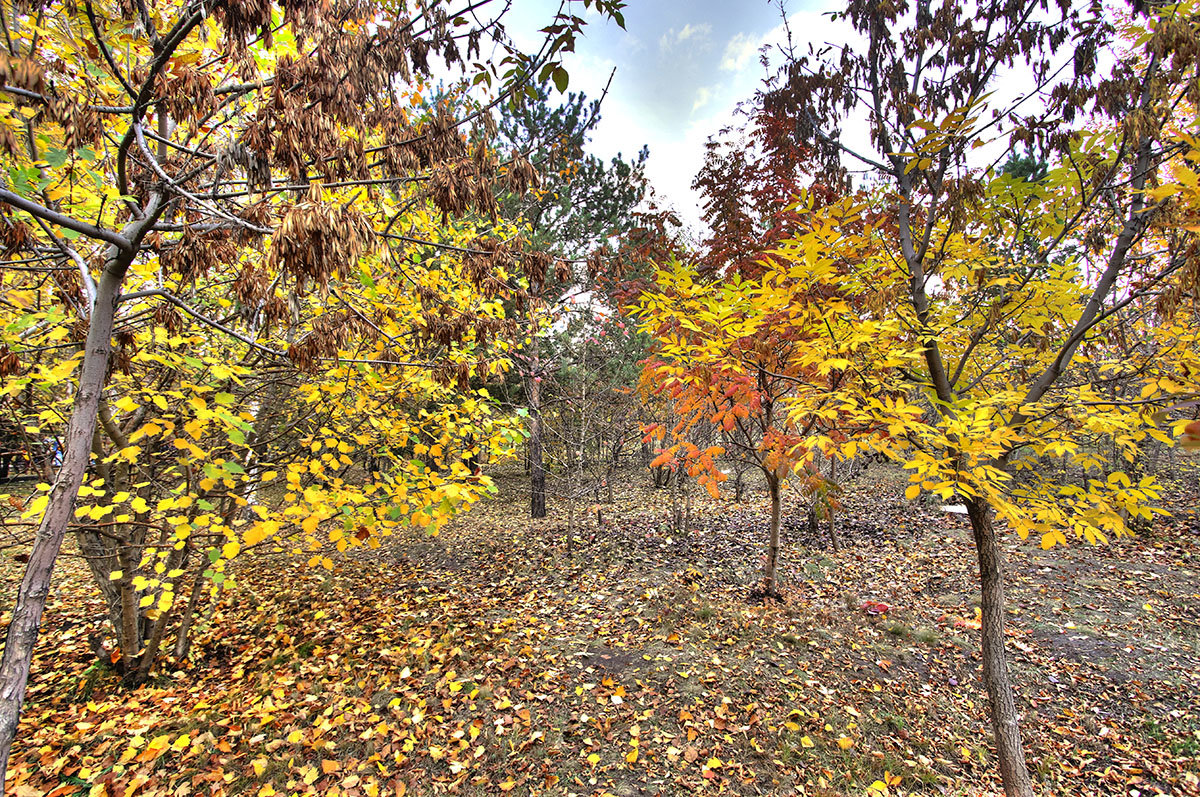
494, 659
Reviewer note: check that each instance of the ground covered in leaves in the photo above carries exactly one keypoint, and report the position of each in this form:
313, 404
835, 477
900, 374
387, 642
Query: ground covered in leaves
502, 658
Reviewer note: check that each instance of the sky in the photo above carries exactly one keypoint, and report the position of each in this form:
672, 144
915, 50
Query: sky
682, 67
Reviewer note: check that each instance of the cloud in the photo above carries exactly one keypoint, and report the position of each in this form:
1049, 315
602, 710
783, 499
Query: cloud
703, 95
700, 31
672, 38
738, 52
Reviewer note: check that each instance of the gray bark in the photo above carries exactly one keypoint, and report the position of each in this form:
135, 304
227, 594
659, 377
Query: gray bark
1005, 720
35, 585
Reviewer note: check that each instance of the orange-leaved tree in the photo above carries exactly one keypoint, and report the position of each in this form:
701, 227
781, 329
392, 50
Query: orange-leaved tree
777, 365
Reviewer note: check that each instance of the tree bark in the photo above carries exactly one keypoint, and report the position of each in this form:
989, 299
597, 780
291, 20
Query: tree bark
158, 626
1005, 720
183, 640
687, 505
537, 468
773, 545
35, 585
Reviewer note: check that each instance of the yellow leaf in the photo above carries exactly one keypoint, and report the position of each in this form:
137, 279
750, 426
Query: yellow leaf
230, 550
806, 742
845, 742
594, 759
713, 763
508, 785
631, 756
116, 575
912, 492
182, 742
295, 736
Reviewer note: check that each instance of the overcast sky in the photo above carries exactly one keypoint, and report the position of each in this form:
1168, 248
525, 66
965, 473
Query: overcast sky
682, 66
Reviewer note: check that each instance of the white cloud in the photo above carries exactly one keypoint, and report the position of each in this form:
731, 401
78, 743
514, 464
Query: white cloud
672, 38
703, 95
699, 31
738, 52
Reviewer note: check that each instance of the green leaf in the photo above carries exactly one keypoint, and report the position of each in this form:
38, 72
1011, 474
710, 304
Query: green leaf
56, 157
561, 79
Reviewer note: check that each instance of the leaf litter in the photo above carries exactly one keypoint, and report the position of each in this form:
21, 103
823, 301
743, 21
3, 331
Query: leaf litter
503, 657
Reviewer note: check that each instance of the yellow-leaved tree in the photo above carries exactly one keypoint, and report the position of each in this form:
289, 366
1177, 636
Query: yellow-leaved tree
251, 265
1026, 291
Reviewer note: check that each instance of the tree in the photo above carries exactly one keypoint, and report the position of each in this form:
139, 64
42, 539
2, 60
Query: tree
778, 365
288, 149
749, 182
1006, 332
590, 403
579, 207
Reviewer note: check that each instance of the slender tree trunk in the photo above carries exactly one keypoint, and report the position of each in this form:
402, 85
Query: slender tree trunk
158, 626
183, 640
1005, 721
35, 585
773, 545
833, 538
676, 506
687, 505
101, 555
130, 628
537, 468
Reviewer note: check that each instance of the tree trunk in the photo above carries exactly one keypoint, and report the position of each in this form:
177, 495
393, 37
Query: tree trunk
183, 640
773, 545
537, 468
1005, 721
676, 504
687, 505
35, 585
158, 626
130, 629
833, 538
